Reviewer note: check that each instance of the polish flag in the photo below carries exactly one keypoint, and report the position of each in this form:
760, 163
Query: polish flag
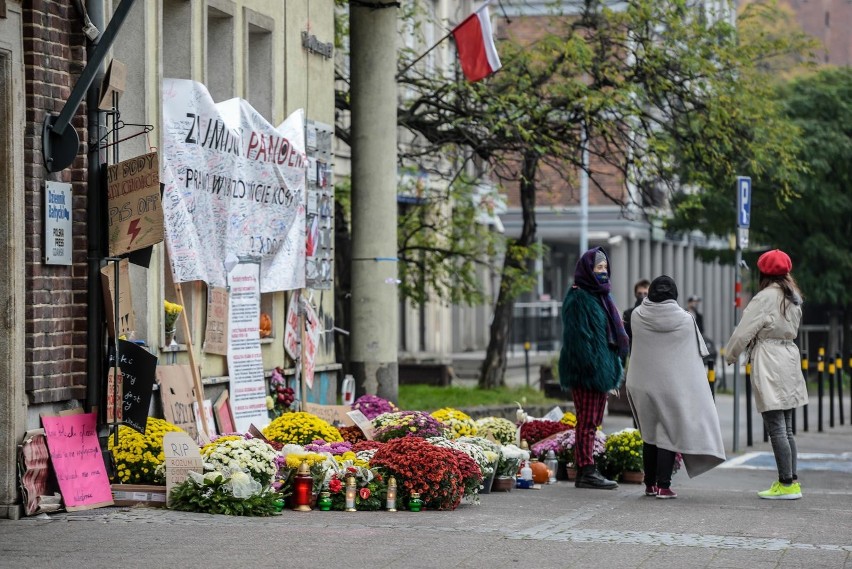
475, 44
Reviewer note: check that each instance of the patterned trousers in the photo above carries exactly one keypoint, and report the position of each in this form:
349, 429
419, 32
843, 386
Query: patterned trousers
589, 405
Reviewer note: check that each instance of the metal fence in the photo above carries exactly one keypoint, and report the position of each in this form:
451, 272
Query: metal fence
539, 324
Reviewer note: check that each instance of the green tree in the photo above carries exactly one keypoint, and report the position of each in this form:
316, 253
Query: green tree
666, 97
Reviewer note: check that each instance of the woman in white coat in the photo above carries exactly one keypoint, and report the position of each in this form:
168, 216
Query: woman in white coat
766, 332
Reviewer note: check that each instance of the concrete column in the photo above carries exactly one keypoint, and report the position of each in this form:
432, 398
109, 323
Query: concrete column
633, 264
678, 272
668, 259
656, 260
645, 269
689, 267
375, 296
620, 277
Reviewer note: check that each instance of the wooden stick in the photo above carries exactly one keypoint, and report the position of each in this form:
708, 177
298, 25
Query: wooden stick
302, 335
196, 373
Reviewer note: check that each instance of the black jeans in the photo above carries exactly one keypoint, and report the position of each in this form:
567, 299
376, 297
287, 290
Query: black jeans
658, 463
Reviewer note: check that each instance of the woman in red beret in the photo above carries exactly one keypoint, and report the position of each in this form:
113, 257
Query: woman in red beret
766, 332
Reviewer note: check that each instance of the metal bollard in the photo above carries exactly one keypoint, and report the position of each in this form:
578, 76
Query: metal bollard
831, 371
805, 373
749, 437
820, 372
838, 363
711, 378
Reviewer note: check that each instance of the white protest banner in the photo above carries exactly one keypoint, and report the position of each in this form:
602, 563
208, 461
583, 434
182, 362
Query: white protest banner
234, 186
291, 330
245, 363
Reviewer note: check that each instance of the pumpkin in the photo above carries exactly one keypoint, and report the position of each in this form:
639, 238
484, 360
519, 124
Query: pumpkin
265, 325
540, 472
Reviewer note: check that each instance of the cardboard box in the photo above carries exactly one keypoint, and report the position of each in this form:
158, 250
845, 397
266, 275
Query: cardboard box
139, 494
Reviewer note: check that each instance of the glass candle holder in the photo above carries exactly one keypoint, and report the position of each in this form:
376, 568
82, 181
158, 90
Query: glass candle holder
390, 503
324, 502
415, 504
351, 491
303, 486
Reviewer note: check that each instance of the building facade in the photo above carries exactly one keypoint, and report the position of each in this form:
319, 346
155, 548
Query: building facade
276, 55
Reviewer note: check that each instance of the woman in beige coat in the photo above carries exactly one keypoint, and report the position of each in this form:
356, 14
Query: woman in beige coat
769, 325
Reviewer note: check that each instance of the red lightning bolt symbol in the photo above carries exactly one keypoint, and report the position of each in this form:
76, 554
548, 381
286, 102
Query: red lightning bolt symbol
133, 229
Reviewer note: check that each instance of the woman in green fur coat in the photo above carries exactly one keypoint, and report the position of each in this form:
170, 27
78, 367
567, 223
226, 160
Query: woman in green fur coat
594, 346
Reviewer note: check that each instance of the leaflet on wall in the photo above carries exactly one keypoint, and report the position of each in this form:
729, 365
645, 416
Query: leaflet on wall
245, 363
234, 185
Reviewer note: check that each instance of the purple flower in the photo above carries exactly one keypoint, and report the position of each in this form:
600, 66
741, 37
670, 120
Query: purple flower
372, 406
320, 446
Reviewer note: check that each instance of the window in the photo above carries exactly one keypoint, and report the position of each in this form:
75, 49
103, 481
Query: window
219, 75
258, 74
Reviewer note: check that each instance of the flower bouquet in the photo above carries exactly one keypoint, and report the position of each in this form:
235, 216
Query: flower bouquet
372, 488
501, 430
253, 456
407, 424
171, 311
511, 457
476, 454
439, 474
335, 448
492, 455
226, 491
137, 456
300, 428
623, 452
459, 423
352, 434
534, 431
280, 396
372, 406
569, 418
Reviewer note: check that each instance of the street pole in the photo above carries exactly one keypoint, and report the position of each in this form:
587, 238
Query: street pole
743, 189
375, 294
584, 194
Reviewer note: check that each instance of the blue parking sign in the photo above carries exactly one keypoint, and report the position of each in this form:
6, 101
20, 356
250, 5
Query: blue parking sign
743, 201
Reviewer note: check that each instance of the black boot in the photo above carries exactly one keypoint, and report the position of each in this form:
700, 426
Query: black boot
589, 477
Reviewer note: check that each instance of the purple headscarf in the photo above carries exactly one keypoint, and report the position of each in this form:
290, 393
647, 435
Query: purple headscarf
584, 277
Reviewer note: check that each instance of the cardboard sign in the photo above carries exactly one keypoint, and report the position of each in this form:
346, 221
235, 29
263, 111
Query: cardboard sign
114, 82
182, 457
363, 423
224, 415
207, 413
133, 202
77, 460
138, 367
126, 321
114, 392
178, 395
216, 331
330, 413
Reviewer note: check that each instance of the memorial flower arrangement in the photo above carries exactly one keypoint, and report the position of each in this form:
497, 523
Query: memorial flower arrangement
459, 423
137, 456
171, 311
352, 434
280, 396
407, 424
624, 451
300, 428
501, 430
253, 456
511, 457
366, 445
372, 406
439, 474
536, 430
476, 453
334, 448
372, 487
226, 491
569, 419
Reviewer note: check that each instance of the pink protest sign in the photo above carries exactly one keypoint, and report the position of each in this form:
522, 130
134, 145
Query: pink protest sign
77, 461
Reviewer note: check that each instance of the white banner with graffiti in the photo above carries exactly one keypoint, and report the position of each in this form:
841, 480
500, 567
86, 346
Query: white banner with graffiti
234, 187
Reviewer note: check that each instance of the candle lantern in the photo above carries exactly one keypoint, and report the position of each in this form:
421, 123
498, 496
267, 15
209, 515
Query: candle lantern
303, 486
324, 501
415, 504
351, 491
390, 504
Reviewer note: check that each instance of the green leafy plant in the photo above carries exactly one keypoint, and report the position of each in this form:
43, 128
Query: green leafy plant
623, 452
213, 493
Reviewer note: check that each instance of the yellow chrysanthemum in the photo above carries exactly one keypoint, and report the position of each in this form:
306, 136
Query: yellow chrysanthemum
301, 429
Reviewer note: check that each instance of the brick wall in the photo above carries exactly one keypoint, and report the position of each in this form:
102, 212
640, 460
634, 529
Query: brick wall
54, 57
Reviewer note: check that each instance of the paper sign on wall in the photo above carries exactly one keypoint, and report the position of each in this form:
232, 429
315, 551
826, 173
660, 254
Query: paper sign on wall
311, 339
182, 457
291, 330
133, 204
178, 395
216, 331
77, 460
126, 320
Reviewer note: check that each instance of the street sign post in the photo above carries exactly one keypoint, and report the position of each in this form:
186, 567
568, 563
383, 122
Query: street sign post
743, 221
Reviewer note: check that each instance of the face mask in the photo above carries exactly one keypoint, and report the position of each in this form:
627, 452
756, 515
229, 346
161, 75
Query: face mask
602, 278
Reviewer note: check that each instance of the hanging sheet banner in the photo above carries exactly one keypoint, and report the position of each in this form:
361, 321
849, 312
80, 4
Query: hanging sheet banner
312, 333
245, 363
234, 186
